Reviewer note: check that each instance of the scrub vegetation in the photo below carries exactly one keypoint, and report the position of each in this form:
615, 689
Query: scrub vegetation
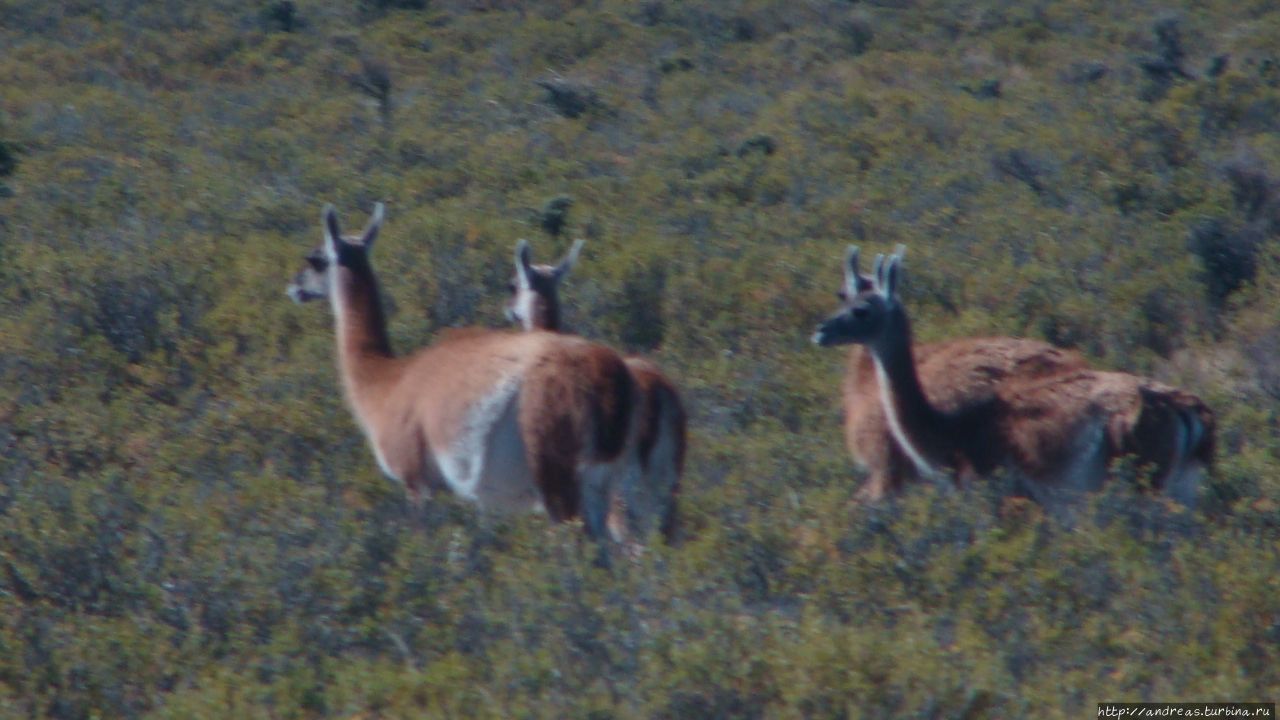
191, 524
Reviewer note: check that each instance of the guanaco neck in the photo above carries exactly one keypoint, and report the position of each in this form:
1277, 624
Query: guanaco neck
365, 360
543, 312
548, 315
920, 429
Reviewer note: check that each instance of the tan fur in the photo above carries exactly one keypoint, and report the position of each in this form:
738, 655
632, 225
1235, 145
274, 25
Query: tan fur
656, 392
659, 412
522, 417
954, 373
1139, 417
658, 421
569, 390
975, 406
593, 391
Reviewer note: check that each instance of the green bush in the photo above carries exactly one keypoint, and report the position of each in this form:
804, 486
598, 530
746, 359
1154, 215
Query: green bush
191, 525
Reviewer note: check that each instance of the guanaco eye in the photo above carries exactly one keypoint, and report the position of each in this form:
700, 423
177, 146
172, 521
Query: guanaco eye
842, 295
511, 287
318, 264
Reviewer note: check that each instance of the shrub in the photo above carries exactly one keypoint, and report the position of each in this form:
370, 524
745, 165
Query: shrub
570, 99
192, 525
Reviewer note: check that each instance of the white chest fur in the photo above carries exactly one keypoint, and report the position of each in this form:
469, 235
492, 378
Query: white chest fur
895, 426
487, 461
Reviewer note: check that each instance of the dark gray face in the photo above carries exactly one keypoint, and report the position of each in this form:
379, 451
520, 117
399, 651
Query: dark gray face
859, 320
312, 281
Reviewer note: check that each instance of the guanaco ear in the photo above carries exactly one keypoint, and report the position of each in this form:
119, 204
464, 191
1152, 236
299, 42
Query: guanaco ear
332, 231
524, 262
564, 266
889, 277
851, 272
375, 224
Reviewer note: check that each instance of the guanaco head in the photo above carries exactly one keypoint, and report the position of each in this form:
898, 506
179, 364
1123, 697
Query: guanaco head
312, 282
866, 302
534, 300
